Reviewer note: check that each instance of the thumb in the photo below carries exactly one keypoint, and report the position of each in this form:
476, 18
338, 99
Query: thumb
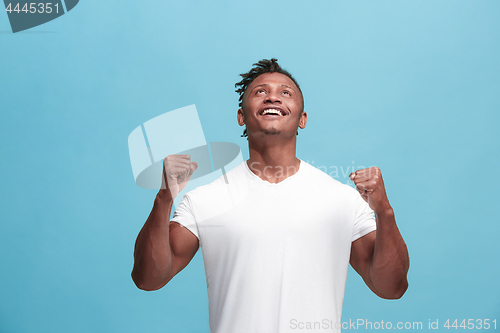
192, 169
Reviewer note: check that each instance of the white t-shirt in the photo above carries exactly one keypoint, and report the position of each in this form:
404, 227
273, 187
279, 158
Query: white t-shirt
276, 255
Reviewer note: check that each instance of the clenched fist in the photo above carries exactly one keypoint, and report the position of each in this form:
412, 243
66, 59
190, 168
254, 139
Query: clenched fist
177, 170
370, 186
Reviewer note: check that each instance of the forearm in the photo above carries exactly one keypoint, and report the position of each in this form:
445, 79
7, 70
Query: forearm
390, 261
152, 254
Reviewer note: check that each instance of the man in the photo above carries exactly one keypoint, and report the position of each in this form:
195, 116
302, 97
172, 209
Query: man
276, 233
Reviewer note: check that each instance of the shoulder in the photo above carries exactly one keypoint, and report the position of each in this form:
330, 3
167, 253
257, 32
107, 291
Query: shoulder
223, 185
218, 196
322, 184
322, 179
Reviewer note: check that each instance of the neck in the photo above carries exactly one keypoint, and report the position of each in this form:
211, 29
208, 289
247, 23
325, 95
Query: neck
273, 159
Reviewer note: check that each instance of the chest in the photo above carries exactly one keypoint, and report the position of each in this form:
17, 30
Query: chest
277, 217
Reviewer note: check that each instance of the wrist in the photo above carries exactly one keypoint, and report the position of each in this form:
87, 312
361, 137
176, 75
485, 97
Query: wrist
164, 196
385, 212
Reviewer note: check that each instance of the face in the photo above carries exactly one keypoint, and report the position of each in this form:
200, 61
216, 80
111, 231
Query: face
272, 105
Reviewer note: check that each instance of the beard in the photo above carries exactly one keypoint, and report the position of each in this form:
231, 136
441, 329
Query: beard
271, 131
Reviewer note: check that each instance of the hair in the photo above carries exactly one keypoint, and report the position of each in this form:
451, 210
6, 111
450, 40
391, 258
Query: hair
261, 67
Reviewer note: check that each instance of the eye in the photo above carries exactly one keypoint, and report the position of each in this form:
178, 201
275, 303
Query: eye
259, 91
286, 92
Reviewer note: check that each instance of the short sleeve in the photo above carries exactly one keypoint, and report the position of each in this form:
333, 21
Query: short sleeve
184, 216
365, 219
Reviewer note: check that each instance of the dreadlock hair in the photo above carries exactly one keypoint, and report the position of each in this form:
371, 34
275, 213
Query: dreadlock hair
261, 67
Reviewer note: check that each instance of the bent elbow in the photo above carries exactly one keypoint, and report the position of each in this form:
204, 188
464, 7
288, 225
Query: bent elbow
144, 285
138, 282
147, 288
398, 293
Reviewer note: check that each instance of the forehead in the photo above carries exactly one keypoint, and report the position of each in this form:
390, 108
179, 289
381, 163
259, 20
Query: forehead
272, 79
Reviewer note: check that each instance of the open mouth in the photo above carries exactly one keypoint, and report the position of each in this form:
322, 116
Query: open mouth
272, 112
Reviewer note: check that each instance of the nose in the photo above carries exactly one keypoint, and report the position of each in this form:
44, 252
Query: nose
273, 98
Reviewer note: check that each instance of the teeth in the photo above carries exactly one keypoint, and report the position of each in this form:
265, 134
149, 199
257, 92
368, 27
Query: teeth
272, 111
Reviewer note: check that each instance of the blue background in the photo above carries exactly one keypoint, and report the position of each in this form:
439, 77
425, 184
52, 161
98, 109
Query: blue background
409, 86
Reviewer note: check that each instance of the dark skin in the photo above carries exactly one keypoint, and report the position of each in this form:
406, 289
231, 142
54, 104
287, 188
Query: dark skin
380, 257
272, 112
272, 137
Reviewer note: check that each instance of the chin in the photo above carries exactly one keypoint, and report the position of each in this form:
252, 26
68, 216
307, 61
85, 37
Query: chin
271, 131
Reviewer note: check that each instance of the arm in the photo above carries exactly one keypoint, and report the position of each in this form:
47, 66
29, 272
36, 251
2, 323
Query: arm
164, 248
380, 257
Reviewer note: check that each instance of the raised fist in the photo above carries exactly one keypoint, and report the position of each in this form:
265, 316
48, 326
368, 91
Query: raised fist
370, 186
177, 170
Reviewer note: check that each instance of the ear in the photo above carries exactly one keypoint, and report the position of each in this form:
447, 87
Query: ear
241, 117
303, 120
